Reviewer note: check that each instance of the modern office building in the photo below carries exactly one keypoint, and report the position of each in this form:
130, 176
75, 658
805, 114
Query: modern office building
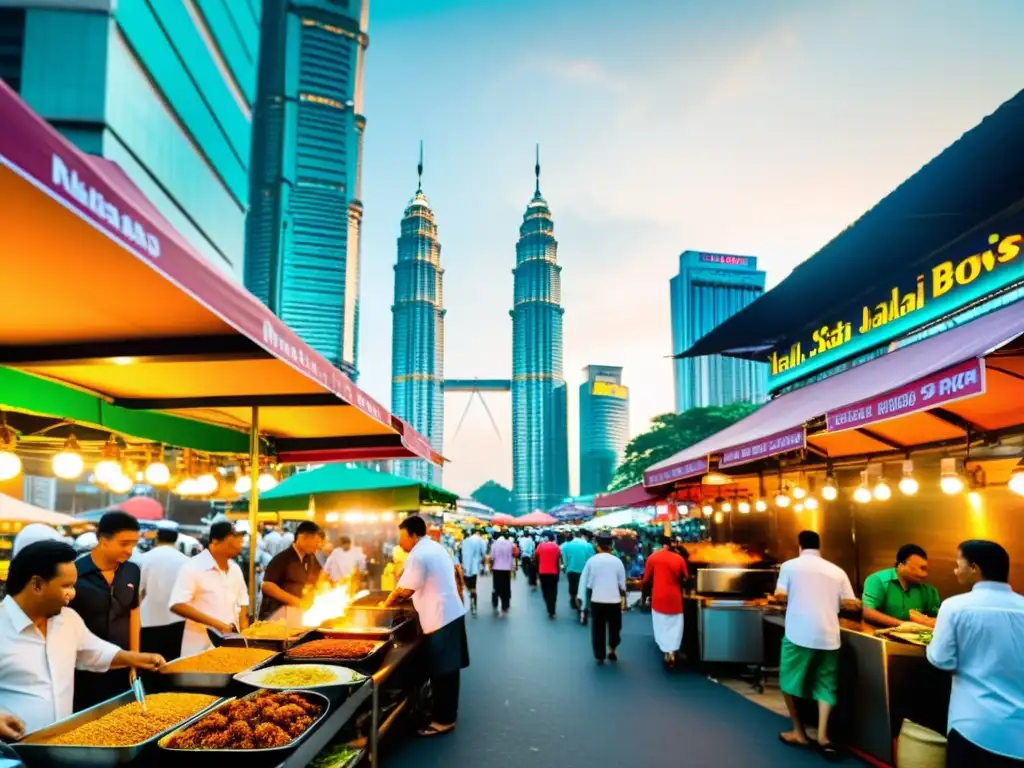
710, 288
303, 230
540, 453
604, 426
163, 89
417, 332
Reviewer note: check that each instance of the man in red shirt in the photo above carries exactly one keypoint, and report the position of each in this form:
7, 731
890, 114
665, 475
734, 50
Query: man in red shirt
549, 558
665, 573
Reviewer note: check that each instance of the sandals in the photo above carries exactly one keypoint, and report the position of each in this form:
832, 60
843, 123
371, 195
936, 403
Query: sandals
829, 752
432, 730
794, 743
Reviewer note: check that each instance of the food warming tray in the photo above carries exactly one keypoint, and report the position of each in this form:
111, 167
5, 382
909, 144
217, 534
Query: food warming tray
372, 624
370, 661
50, 755
211, 680
254, 757
237, 640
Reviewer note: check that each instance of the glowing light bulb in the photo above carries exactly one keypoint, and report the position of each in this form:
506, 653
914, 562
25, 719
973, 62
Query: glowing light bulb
744, 507
951, 484
882, 491
1016, 483
761, 505
187, 487
829, 493
68, 465
107, 470
862, 495
120, 484
157, 473
206, 484
782, 500
10, 465
726, 506
266, 482
798, 507
811, 503
909, 485
243, 484
708, 509
798, 492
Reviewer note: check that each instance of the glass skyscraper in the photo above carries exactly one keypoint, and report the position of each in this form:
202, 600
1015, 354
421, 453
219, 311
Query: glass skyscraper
303, 229
604, 426
710, 288
162, 88
540, 453
417, 333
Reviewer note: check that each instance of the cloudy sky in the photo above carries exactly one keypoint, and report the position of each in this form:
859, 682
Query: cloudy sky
758, 127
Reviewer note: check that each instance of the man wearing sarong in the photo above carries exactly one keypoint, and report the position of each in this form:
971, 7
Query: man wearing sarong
664, 576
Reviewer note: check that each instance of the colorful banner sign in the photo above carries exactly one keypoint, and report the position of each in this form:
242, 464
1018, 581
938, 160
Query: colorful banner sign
771, 445
609, 389
954, 383
724, 258
674, 472
957, 276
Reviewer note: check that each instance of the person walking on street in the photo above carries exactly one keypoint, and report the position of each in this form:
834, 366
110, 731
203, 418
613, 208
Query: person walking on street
664, 576
604, 583
527, 551
978, 638
472, 552
575, 554
502, 564
549, 565
814, 591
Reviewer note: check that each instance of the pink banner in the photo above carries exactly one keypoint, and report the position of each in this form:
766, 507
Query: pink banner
966, 379
679, 471
779, 442
98, 192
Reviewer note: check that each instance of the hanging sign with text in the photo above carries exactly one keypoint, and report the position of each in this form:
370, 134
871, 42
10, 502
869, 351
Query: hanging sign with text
770, 445
673, 472
954, 383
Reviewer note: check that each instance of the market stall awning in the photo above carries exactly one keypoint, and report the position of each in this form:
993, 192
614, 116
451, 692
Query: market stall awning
536, 518
923, 393
634, 496
15, 509
101, 293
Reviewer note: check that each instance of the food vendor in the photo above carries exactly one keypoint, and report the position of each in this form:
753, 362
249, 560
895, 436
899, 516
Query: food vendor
210, 590
900, 594
429, 580
42, 640
107, 599
347, 563
289, 575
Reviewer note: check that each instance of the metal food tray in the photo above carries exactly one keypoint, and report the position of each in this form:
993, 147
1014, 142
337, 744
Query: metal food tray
273, 754
211, 680
49, 755
374, 624
371, 659
237, 640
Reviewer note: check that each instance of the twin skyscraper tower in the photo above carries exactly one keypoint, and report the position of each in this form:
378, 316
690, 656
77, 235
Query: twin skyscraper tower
540, 452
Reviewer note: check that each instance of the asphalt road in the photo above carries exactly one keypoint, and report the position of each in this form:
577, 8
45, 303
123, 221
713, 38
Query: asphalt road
533, 696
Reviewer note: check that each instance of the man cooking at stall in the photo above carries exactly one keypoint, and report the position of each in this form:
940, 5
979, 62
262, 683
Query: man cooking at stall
899, 594
347, 564
292, 574
107, 596
210, 590
43, 641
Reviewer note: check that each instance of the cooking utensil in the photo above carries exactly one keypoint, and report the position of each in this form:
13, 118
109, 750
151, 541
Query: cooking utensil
138, 690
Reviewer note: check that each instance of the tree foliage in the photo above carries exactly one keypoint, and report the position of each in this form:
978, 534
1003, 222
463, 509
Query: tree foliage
671, 433
495, 496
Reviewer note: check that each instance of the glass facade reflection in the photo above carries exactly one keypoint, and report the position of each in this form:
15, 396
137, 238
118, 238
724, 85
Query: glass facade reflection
164, 89
710, 288
540, 454
604, 426
303, 230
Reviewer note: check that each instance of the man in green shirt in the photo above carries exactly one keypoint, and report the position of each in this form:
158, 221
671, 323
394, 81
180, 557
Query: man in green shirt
897, 595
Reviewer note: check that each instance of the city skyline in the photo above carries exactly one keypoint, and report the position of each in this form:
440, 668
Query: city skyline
753, 132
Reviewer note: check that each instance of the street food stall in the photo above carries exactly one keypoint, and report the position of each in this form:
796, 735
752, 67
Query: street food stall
179, 378
895, 357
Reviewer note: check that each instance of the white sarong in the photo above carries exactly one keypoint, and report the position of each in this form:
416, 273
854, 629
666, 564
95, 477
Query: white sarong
668, 631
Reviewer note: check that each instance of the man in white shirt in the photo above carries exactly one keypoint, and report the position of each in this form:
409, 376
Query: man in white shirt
345, 561
979, 637
429, 579
161, 629
814, 591
472, 553
604, 584
42, 641
210, 590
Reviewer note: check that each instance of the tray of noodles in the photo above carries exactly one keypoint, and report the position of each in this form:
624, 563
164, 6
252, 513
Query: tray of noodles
113, 732
264, 722
304, 676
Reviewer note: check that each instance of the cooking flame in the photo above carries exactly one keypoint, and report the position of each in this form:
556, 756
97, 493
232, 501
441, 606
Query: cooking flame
330, 603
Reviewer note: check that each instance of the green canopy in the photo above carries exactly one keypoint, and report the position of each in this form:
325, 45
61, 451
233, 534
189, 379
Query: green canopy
339, 486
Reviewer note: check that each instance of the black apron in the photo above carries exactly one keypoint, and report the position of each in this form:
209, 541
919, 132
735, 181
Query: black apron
446, 650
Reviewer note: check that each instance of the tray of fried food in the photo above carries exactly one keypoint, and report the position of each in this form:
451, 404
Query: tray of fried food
357, 653
264, 722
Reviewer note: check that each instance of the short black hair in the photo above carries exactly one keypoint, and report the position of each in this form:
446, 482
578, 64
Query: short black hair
307, 526
345, 540
41, 559
907, 551
990, 558
115, 522
549, 536
414, 525
809, 540
666, 541
222, 529
167, 535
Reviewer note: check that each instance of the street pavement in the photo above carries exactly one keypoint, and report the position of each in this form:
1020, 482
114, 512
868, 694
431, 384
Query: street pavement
533, 696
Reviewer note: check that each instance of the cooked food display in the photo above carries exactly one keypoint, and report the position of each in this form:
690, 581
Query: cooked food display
272, 630
218, 661
335, 756
127, 726
331, 648
263, 721
298, 677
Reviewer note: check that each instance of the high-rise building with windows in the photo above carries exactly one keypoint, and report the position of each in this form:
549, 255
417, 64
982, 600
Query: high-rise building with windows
417, 332
710, 288
163, 89
303, 230
604, 426
540, 453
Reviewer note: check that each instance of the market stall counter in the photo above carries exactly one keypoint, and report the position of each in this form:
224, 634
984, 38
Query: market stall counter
882, 682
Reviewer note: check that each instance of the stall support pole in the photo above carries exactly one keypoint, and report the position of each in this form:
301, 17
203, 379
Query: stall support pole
374, 725
254, 504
